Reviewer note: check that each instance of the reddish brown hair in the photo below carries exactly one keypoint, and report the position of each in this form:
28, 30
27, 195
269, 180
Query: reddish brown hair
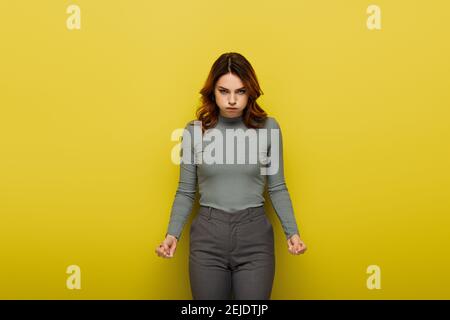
253, 115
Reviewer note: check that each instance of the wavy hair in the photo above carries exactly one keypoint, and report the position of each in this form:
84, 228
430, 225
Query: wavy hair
253, 115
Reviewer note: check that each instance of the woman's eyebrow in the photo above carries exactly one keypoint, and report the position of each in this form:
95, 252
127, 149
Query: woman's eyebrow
228, 89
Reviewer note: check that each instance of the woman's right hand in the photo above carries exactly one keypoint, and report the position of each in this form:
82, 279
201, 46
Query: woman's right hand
167, 248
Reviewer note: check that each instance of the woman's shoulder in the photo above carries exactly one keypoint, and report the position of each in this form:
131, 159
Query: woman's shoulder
190, 124
189, 128
271, 123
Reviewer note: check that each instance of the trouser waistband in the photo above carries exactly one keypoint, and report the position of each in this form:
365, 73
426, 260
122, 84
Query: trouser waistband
247, 214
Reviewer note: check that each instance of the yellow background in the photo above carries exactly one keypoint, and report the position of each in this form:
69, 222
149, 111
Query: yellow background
86, 118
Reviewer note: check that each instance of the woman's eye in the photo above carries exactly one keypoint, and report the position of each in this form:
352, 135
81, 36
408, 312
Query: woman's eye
224, 91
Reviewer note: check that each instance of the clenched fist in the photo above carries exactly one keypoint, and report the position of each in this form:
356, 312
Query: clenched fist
167, 248
295, 245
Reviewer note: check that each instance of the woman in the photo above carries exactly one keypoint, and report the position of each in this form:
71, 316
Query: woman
231, 238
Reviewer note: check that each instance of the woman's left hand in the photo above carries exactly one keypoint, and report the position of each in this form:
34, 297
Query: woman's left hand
296, 245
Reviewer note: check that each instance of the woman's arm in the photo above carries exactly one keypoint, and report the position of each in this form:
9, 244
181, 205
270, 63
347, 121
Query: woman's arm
276, 186
187, 185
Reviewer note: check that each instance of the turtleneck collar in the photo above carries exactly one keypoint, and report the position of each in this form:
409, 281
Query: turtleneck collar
232, 120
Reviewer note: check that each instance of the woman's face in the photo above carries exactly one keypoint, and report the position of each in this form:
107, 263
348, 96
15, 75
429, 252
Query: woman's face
231, 96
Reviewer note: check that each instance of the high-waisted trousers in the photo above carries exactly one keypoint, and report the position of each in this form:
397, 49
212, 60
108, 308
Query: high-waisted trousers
231, 255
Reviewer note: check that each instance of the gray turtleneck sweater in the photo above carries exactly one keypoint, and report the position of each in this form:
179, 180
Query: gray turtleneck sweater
231, 186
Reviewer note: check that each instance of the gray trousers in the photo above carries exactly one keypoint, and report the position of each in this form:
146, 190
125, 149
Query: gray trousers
231, 254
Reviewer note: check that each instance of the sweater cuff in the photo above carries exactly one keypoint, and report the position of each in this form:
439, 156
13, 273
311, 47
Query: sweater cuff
174, 229
290, 234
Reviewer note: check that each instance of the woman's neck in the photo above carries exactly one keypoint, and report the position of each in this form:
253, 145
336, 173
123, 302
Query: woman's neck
230, 120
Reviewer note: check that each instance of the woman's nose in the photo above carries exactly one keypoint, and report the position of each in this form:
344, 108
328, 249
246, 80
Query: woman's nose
232, 100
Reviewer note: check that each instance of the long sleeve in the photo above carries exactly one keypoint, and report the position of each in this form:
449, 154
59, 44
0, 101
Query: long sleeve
185, 193
278, 192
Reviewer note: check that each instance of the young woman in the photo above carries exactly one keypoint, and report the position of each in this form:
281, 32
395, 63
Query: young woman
231, 238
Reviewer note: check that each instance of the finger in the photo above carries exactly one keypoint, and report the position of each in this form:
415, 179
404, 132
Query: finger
161, 251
